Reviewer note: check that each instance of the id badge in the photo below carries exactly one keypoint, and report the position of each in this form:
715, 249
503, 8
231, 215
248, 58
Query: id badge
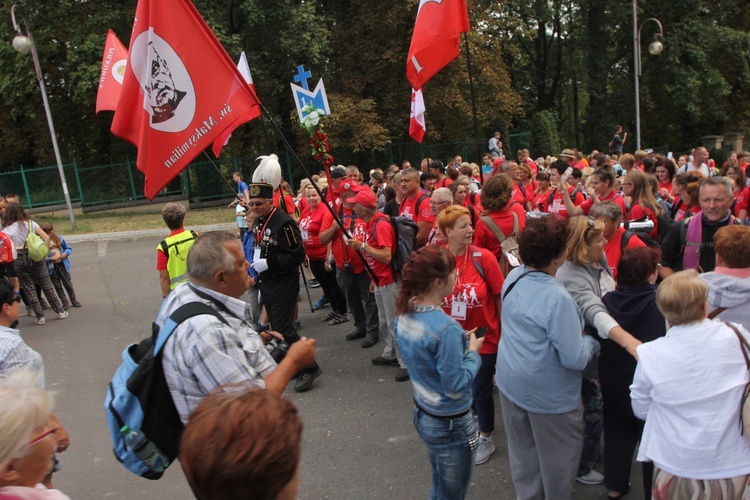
256, 254
458, 310
305, 235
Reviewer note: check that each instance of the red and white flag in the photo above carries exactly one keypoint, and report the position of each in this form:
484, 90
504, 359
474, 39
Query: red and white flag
435, 40
181, 90
223, 139
417, 126
113, 70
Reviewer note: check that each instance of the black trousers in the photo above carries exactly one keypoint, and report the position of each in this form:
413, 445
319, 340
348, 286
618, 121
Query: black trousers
621, 435
330, 286
280, 316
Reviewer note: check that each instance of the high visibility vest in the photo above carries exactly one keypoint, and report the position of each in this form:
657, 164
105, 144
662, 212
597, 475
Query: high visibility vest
176, 249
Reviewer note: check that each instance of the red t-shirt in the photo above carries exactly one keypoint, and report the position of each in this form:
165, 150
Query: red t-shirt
533, 166
479, 295
558, 204
417, 214
665, 185
613, 195
681, 212
530, 188
485, 238
638, 211
444, 182
540, 200
342, 254
519, 194
303, 204
161, 257
743, 200
476, 202
288, 201
613, 248
380, 234
309, 226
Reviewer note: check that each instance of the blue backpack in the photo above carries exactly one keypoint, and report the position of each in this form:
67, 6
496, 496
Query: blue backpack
138, 396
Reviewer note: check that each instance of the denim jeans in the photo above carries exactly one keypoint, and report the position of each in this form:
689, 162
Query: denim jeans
361, 302
385, 297
451, 445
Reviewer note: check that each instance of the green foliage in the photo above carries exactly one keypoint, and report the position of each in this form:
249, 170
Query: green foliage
544, 137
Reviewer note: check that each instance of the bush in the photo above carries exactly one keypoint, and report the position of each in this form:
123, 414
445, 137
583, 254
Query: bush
544, 137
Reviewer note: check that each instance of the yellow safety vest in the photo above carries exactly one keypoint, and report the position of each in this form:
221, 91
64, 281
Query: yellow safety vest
176, 249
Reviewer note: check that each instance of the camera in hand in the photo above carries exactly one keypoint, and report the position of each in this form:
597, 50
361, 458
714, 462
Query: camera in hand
277, 348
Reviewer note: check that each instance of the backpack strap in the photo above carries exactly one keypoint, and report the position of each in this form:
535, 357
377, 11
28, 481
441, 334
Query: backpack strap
551, 198
716, 312
693, 229
512, 285
183, 313
499, 235
477, 263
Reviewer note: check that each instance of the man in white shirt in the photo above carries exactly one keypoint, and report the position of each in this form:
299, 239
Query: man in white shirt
700, 155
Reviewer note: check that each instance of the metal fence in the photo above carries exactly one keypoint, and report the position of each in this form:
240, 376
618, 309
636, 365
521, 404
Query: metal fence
118, 183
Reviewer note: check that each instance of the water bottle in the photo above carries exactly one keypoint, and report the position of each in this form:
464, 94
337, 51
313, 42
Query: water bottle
145, 449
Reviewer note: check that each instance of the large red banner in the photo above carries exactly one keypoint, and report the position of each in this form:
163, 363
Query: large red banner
181, 90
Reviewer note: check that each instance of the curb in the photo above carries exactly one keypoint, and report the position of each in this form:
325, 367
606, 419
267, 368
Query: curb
145, 233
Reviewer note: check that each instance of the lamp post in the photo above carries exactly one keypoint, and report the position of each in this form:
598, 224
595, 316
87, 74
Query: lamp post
654, 48
25, 44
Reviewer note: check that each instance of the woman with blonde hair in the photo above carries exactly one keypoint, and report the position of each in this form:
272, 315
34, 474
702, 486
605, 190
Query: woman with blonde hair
27, 440
688, 387
643, 204
475, 302
588, 278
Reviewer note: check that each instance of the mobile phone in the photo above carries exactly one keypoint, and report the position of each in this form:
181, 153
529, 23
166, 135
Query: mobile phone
480, 331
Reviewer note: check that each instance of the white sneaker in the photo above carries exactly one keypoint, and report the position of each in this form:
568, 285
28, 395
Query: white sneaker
62, 315
40, 321
592, 477
485, 448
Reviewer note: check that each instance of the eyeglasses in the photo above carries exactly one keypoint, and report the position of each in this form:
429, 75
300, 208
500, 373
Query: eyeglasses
40, 437
257, 203
591, 221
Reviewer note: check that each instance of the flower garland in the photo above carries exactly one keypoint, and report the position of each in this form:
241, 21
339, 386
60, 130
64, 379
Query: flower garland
313, 122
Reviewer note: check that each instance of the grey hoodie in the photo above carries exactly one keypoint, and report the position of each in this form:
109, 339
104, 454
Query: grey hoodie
730, 292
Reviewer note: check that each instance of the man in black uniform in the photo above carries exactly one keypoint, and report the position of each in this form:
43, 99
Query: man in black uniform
277, 256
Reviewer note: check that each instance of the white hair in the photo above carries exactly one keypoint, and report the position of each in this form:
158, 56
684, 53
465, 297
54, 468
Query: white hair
268, 171
24, 406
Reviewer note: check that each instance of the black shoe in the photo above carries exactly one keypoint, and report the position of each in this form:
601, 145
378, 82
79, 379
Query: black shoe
313, 283
402, 375
381, 361
355, 335
305, 380
369, 342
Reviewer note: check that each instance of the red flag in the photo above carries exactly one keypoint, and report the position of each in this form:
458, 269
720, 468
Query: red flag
113, 69
223, 139
435, 40
417, 126
181, 90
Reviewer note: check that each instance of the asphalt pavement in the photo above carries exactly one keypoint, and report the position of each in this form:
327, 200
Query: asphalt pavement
359, 441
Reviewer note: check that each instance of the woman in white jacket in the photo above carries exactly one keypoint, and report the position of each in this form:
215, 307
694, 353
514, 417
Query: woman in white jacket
688, 387
729, 283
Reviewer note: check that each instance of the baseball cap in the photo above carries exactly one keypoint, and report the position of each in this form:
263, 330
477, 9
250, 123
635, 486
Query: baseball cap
350, 185
366, 198
338, 172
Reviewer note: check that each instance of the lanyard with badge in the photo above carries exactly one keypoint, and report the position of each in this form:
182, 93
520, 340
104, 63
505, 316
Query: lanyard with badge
459, 306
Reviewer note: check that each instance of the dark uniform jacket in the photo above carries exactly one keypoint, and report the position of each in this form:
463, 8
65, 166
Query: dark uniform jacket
280, 244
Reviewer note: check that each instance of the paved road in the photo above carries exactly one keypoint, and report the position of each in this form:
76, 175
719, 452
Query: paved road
359, 441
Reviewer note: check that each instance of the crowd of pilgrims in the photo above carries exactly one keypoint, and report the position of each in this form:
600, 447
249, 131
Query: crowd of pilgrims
563, 348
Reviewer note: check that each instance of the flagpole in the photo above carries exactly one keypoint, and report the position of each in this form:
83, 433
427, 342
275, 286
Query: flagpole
336, 218
474, 108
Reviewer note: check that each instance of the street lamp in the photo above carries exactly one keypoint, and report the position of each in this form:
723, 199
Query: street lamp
25, 44
654, 48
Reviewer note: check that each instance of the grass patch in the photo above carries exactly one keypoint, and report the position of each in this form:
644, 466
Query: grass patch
116, 222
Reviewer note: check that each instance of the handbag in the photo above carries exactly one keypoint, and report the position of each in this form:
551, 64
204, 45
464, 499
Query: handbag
744, 402
511, 257
35, 246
